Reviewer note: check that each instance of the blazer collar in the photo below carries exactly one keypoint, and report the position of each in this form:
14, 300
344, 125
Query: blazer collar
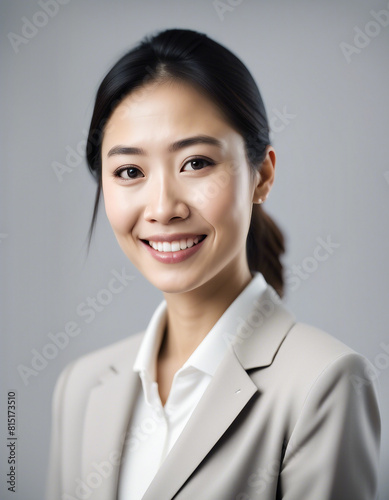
112, 401
263, 331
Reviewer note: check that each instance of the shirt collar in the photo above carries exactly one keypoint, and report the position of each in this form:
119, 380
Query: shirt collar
211, 350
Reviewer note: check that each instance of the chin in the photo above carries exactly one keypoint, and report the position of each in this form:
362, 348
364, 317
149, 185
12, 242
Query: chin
172, 281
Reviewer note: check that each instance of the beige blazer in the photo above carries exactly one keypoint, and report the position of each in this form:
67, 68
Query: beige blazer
290, 414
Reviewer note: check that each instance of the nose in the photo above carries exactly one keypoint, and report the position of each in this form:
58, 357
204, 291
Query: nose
165, 201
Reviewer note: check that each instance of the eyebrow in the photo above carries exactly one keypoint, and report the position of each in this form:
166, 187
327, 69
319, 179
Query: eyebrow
175, 146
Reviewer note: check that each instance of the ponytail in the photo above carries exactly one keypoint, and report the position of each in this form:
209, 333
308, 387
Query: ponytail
265, 244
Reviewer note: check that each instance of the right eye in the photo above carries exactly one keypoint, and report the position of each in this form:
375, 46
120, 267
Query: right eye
127, 173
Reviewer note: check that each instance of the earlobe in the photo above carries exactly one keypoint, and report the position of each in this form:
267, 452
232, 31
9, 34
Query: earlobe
266, 175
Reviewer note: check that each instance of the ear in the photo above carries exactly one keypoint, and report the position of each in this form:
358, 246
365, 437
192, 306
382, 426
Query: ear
264, 178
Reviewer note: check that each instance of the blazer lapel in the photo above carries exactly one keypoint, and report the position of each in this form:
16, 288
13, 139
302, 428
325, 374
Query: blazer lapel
228, 393
109, 407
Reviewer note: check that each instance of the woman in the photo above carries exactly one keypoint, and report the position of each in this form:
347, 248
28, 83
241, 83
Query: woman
225, 395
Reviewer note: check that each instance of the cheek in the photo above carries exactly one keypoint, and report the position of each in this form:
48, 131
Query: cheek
120, 211
227, 204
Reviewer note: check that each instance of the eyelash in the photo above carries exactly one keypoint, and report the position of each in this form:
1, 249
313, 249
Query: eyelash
119, 171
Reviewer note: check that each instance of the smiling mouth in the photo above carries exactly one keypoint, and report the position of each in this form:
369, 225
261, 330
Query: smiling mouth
175, 246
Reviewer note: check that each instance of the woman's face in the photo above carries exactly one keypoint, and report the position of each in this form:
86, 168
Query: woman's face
177, 188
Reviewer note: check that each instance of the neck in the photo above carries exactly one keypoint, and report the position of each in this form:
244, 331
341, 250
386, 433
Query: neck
191, 315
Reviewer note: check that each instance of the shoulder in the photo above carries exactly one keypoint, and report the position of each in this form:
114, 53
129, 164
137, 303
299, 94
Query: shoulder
308, 353
313, 364
311, 344
116, 352
87, 370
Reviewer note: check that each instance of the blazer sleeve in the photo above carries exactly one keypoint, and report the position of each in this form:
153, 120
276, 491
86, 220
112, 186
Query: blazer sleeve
54, 479
333, 450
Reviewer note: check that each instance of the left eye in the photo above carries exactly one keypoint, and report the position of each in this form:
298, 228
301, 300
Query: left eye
196, 164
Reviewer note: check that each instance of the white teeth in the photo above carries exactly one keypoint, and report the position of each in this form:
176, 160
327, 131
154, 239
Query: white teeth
174, 246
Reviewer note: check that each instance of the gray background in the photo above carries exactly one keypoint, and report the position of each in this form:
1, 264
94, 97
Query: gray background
332, 182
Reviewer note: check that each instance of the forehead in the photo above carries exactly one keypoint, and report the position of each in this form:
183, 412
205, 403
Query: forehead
170, 107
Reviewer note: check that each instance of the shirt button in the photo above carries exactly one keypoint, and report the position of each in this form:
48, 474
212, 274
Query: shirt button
159, 413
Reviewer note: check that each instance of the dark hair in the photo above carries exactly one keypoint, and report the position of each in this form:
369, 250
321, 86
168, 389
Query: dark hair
191, 56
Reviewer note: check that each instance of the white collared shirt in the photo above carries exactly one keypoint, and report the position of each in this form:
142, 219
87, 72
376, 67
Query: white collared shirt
154, 428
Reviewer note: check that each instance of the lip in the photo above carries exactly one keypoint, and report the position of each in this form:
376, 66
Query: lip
173, 257
171, 237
